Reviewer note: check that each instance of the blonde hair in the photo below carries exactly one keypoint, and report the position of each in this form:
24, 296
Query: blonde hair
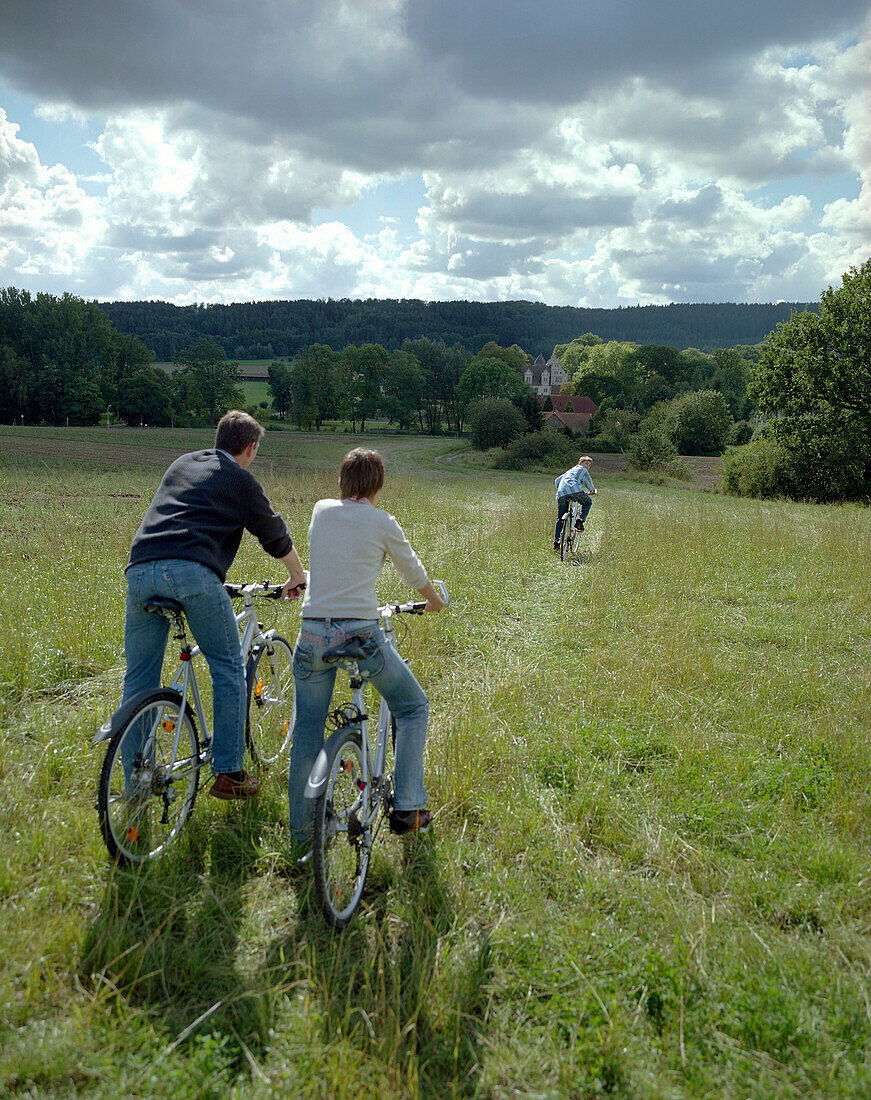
584, 458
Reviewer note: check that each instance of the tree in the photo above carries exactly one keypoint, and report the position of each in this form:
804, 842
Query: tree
214, 379
314, 376
514, 356
698, 422
814, 381
280, 387
145, 397
527, 402
403, 389
822, 361
486, 377
366, 368
494, 422
573, 355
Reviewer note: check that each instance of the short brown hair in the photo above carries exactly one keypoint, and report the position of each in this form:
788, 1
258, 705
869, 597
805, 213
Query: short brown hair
236, 430
361, 473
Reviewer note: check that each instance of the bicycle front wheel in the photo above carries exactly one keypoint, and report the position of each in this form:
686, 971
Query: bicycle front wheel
146, 790
341, 848
270, 701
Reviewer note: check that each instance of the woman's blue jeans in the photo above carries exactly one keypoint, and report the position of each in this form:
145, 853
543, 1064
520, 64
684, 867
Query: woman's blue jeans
313, 682
212, 622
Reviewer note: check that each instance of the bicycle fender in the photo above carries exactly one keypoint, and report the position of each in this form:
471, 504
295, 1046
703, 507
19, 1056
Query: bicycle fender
112, 724
320, 773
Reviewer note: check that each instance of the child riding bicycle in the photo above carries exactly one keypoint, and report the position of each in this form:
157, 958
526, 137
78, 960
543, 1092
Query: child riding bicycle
574, 484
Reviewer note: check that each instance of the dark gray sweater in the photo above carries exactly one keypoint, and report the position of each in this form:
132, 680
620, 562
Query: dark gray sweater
203, 504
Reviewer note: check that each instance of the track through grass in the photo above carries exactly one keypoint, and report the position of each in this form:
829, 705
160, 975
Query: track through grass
650, 765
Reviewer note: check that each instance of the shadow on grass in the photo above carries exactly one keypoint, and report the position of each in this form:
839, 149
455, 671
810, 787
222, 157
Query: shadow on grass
377, 978
167, 934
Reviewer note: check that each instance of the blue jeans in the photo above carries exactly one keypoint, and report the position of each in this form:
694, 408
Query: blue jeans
210, 617
313, 682
562, 506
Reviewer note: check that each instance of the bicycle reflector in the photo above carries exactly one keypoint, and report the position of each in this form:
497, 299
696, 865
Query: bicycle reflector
258, 689
168, 725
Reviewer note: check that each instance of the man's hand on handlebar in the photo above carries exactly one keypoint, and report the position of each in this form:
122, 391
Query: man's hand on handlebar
294, 588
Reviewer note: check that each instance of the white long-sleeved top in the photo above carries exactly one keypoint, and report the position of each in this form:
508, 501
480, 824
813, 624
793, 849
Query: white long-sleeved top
348, 544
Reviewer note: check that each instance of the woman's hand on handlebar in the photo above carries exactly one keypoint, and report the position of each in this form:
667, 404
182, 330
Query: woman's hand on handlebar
435, 600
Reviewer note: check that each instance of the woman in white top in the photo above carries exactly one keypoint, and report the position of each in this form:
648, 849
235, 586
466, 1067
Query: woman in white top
349, 541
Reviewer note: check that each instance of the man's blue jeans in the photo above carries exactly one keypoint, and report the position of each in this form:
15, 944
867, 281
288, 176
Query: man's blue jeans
313, 682
563, 506
210, 616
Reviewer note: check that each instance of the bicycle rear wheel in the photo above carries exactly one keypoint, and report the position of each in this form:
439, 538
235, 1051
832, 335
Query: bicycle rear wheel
270, 700
564, 535
341, 848
143, 800
574, 536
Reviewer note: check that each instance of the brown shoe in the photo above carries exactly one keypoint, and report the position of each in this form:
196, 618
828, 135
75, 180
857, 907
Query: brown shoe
227, 787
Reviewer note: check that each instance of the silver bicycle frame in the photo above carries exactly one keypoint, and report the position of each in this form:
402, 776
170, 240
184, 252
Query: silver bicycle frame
185, 679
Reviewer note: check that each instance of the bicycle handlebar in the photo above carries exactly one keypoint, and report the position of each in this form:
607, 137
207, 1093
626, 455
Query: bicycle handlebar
413, 607
266, 590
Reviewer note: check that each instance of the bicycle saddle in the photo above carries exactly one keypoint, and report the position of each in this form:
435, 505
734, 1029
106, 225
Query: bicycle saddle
161, 604
353, 648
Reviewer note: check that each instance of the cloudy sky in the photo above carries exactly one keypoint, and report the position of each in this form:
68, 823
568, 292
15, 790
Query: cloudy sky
575, 152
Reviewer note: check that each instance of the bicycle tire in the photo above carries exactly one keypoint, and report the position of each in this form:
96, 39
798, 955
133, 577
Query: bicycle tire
142, 808
564, 536
574, 537
341, 849
270, 701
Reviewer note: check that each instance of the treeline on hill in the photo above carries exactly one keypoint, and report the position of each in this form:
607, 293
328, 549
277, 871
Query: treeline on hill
802, 401
266, 330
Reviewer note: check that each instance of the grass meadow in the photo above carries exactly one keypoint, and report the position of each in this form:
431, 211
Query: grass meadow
650, 874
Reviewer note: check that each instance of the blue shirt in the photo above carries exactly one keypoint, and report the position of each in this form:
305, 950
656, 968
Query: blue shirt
575, 480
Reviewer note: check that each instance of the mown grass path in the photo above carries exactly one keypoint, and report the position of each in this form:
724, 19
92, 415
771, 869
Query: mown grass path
649, 875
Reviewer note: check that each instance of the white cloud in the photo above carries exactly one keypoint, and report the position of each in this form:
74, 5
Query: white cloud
592, 154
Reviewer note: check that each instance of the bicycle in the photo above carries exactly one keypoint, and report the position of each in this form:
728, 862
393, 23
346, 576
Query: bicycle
151, 770
350, 783
570, 535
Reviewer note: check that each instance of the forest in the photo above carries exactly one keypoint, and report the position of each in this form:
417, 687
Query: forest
266, 330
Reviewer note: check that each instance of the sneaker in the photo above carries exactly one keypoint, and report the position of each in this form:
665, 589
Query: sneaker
226, 787
410, 821
579, 525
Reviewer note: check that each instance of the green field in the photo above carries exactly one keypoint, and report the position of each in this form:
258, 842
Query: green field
650, 874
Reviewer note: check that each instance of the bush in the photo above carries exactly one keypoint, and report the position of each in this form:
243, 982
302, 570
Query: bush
494, 422
740, 433
680, 469
823, 461
650, 449
763, 468
545, 448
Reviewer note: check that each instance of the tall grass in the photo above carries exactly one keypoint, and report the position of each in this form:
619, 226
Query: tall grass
650, 869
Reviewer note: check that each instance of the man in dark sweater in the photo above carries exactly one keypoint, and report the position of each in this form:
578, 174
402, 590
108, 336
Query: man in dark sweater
185, 544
